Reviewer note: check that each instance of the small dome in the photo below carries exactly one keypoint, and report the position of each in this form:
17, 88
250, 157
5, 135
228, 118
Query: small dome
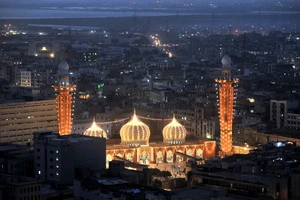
135, 132
226, 62
174, 132
63, 66
95, 131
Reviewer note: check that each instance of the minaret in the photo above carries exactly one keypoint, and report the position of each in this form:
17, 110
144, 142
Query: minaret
64, 99
226, 100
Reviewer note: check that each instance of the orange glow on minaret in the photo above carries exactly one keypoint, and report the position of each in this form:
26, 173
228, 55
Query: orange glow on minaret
64, 100
226, 100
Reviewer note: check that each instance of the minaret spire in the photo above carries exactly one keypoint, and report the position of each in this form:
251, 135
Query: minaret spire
64, 99
226, 100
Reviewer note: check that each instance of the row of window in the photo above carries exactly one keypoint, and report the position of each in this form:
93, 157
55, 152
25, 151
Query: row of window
25, 111
51, 159
31, 189
293, 117
26, 106
32, 197
293, 122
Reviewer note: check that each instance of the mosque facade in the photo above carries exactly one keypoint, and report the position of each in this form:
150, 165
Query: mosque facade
136, 148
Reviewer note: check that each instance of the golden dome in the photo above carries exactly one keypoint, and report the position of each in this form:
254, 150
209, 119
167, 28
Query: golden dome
174, 132
95, 131
135, 132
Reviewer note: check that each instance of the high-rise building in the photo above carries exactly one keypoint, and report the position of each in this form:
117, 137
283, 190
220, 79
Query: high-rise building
226, 100
64, 99
57, 157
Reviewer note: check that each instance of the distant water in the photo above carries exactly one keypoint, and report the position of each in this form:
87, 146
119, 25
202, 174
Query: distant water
92, 12
51, 13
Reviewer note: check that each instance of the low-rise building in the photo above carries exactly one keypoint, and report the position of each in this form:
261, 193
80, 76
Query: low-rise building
19, 120
18, 187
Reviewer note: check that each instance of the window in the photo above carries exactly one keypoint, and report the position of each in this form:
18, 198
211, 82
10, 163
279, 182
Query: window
38, 150
57, 166
51, 152
56, 151
38, 157
39, 172
51, 159
57, 174
51, 167
56, 159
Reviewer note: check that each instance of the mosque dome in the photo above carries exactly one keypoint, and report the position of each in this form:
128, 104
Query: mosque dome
63, 66
95, 131
174, 132
135, 132
226, 62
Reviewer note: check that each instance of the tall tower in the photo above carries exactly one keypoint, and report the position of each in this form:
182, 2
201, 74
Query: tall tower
64, 99
226, 100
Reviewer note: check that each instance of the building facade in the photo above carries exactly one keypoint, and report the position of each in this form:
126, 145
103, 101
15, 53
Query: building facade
18, 187
135, 147
56, 157
19, 120
278, 113
25, 78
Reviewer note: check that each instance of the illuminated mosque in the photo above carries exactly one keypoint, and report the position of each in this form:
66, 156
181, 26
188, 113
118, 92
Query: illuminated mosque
136, 148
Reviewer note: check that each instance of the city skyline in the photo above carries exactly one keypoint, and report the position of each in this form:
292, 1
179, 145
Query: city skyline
149, 99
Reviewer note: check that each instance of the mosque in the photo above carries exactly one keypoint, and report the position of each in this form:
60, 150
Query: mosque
135, 147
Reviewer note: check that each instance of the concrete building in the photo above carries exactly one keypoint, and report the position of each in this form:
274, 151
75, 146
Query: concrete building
16, 160
282, 117
278, 113
79, 126
159, 94
293, 121
25, 78
194, 122
56, 157
295, 180
255, 185
18, 187
19, 120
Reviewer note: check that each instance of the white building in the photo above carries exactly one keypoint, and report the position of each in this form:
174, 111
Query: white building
79, 126
25, 78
